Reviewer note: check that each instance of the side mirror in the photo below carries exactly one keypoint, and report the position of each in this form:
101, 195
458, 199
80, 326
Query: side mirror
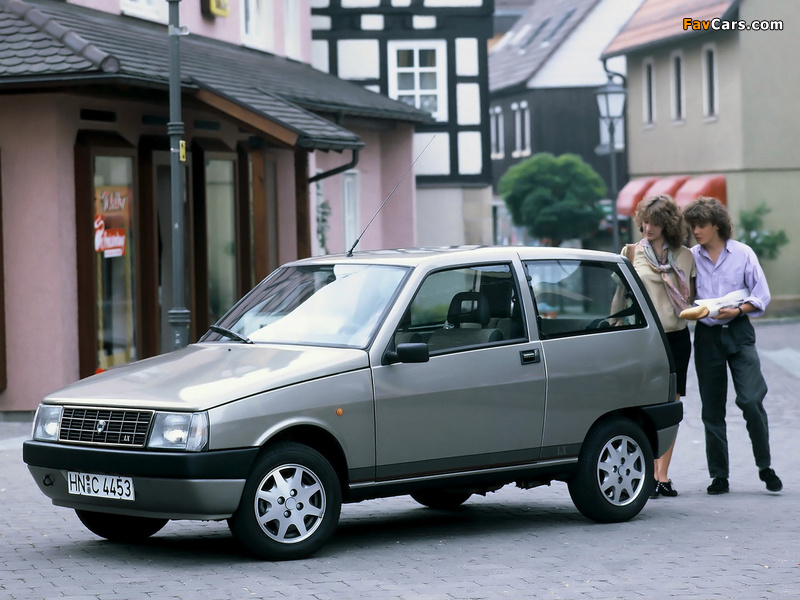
414, 352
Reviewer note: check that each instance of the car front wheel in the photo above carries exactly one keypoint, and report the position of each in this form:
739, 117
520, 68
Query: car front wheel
290, 506
120, 528
614, 476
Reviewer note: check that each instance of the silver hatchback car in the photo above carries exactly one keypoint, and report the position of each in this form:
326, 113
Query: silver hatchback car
438, 373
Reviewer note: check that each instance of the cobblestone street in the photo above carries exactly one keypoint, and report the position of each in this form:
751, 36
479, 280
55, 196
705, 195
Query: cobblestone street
511, 544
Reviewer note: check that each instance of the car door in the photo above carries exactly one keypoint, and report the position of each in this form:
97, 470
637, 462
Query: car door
601, 352
478, 402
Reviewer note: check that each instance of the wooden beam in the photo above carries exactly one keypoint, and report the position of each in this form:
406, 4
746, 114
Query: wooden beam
261, 124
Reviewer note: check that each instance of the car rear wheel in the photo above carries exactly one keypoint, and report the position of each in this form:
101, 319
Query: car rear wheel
441, 499
120, 528
615, 472
290, 506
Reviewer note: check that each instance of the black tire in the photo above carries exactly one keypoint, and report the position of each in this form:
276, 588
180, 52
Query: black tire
120, 528
441, 499
290, 505
614, 476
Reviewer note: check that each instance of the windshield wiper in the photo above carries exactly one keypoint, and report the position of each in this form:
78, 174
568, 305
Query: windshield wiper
230, 334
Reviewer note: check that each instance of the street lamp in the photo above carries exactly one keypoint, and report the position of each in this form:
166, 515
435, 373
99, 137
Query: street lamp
179, 316
611, 102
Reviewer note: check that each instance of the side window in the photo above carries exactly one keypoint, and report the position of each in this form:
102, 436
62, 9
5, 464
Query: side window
574, 297
463, 308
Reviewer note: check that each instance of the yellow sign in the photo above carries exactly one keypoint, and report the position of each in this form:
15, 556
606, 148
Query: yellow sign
215, 8
183, 151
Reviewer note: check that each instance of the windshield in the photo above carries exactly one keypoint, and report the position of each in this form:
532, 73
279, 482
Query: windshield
329, 305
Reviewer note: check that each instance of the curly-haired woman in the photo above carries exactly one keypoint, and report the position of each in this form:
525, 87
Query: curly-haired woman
668, 271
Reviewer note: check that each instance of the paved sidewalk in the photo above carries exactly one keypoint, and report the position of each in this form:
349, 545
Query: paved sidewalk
513, 544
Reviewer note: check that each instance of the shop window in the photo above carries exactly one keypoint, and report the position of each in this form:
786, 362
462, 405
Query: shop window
221, 237
106, 213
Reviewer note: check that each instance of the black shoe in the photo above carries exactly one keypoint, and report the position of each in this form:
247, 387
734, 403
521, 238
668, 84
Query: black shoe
773, 482
665, 489
656, 492
718, 486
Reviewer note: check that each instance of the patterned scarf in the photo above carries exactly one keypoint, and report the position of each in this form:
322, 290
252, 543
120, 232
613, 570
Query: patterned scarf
673, 278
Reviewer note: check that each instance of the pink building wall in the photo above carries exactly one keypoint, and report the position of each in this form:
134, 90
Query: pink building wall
39, 250
228, 29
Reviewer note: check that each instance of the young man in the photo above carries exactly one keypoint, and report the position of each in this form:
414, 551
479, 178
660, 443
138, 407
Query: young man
728, 339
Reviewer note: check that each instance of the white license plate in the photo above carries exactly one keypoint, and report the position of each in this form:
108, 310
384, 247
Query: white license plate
100, 486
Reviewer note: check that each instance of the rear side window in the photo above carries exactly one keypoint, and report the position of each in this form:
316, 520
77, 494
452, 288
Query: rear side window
574, 297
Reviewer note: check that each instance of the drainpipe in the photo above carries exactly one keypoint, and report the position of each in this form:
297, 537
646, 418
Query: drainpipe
336, 170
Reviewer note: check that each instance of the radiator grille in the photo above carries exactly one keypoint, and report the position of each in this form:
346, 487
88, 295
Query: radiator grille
105, 427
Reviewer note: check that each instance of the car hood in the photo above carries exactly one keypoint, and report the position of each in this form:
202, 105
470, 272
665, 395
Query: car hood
202, 376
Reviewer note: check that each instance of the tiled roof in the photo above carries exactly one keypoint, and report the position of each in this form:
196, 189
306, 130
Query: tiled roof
47, 41
533, 39
659, 21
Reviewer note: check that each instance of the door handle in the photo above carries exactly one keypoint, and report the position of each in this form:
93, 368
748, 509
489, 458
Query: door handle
530, 356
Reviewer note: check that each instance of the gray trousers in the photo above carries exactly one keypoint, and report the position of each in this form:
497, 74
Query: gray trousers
716, 348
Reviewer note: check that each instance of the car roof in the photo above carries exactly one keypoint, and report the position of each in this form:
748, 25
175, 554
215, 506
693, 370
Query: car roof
447, 255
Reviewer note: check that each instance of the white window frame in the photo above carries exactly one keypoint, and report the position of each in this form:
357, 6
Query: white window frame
257, 24
710, 83
292, 38
151, 10
351, 212
522, 129
648, 92
441, 92
677, 86
497, 132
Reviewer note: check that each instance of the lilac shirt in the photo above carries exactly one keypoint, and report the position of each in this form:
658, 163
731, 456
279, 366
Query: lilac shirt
737, 267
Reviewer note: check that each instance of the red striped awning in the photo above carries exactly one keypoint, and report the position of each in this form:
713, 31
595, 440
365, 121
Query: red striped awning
712, 186
632, 193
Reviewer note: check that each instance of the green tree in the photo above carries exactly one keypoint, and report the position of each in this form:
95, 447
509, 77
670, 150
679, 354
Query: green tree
765, 243
555, 198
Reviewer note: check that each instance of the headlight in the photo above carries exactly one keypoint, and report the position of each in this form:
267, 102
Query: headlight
46, 422
180, 431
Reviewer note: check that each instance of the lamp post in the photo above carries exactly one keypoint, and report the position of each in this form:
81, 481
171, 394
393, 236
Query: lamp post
179, 316
611, 102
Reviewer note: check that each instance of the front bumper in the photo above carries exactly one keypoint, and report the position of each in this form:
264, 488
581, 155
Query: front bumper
169, 485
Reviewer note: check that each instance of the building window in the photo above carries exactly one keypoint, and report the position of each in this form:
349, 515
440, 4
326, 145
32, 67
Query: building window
648, 92
350, 208
497, 132
678, 103
292, 31
257, 31
221, 232
710, 81
522, 129
152, 10
418, 75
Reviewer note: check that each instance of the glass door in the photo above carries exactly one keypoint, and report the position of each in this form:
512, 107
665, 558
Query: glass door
114, 251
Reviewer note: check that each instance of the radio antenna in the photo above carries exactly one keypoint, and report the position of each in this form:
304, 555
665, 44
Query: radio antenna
377, 212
